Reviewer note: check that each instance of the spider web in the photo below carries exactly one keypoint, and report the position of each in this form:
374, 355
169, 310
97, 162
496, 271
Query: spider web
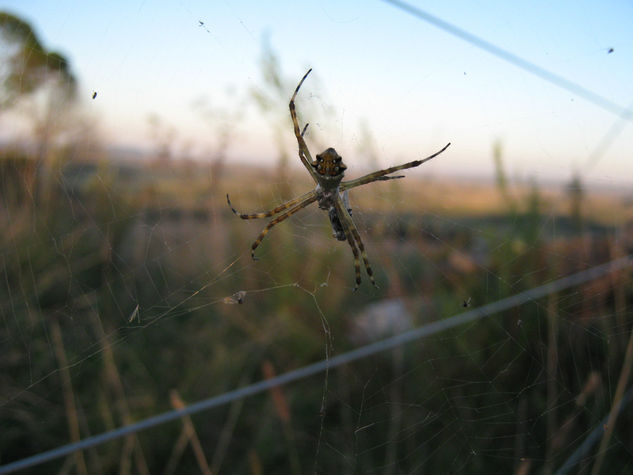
128, 289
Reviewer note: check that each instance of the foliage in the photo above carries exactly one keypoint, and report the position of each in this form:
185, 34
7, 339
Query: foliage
98, 248
28, 65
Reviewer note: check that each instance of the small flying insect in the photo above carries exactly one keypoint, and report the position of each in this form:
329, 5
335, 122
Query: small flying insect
466, 303
94, 95
202, 25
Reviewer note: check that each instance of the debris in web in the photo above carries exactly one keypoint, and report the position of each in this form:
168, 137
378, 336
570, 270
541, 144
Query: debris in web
135, 315
236, 298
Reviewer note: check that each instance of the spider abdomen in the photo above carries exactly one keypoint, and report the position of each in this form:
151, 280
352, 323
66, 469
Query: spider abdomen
326, 199
337, 228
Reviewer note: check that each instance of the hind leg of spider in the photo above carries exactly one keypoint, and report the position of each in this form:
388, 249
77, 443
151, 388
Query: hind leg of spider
350, 227
355, 242
363, 254
266, 214
278, 220
352, 244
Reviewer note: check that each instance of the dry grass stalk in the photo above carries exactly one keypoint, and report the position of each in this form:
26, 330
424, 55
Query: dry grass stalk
69, 396
552, 382
131, 444
283, 412
615, 406
190, 431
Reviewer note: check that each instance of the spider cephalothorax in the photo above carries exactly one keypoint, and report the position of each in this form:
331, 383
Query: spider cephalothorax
331, 193
330, 164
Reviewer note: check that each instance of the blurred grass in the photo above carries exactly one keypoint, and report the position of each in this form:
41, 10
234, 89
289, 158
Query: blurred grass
84, 244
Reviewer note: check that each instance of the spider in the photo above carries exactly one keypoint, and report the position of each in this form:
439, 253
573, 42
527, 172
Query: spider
331, 193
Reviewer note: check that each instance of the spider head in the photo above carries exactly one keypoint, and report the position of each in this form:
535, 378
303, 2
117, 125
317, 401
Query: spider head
329, 164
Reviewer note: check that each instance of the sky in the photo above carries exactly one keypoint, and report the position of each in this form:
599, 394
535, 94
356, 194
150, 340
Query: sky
376, 70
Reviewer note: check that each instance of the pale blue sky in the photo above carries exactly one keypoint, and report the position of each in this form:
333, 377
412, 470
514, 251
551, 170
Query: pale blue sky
416, 86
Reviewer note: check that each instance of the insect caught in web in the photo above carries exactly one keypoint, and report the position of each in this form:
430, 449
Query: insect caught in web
331, 193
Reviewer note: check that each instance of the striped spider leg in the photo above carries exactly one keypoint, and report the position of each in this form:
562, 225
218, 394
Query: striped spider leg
343, 212
380, 175
298, 203
331, 193
304, 152
354, 241
295, 205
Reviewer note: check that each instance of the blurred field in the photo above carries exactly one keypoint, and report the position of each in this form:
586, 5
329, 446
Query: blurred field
114, 290
458, 197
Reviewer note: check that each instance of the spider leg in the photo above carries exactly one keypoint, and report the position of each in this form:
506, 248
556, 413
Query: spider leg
380, 175
353, 238
310, 198
352, 244
304, 152
345, 198
266, 214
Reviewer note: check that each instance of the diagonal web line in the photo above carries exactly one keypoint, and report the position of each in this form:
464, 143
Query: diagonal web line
609, 137
315, 368
512, 58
